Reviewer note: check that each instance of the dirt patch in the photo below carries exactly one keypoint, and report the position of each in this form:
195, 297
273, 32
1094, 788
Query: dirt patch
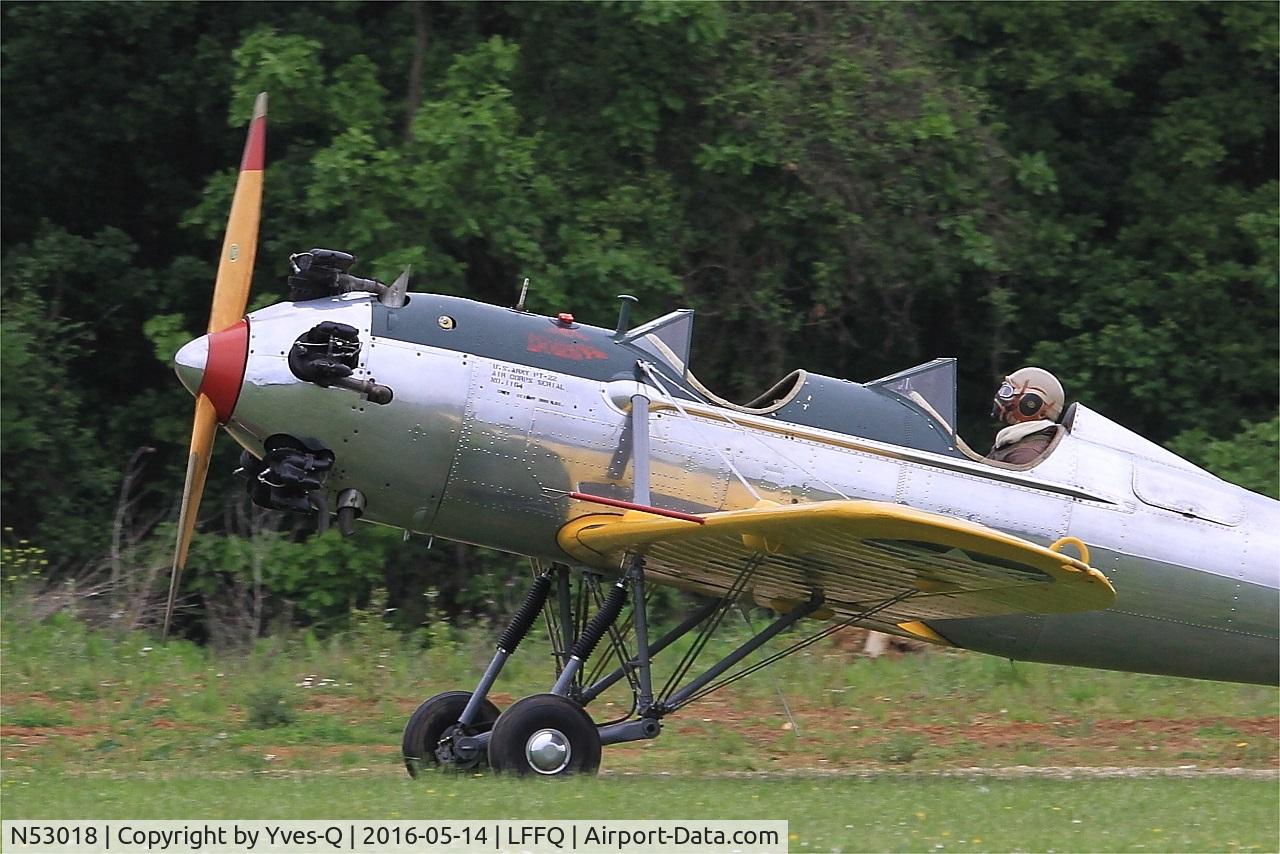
32, 735
724, 732
161, 723
331, 704
762, 734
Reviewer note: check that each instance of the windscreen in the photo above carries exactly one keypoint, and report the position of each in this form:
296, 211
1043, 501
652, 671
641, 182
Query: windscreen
674, 331
932, 386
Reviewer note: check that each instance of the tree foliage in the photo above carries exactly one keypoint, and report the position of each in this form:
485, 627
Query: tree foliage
846, 187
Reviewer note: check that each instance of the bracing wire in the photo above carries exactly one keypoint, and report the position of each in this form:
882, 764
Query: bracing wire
801, 644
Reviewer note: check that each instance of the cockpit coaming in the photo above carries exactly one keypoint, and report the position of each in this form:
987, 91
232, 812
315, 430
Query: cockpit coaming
549, 344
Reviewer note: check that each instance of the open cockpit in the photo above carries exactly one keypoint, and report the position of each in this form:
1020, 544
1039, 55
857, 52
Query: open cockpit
932, 387
916, 406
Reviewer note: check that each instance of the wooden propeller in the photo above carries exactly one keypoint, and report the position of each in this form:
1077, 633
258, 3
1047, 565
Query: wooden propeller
230, 296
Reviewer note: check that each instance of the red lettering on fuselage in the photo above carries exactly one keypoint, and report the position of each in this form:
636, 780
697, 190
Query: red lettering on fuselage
577, 351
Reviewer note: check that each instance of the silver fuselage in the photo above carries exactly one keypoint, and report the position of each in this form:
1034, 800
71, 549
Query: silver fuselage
481, 450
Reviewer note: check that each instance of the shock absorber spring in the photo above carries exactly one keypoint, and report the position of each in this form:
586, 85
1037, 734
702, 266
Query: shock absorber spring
511, 637
524, 617
600, 623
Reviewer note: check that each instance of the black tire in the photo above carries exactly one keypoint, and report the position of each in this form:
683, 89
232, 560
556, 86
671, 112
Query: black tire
430, 722
538, 715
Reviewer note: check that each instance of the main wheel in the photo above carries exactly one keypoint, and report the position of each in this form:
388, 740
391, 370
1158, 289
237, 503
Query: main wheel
545, 734
426, 744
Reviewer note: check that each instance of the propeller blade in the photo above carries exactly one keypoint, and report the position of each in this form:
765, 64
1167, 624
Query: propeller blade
202, 432
240, 246
230, 297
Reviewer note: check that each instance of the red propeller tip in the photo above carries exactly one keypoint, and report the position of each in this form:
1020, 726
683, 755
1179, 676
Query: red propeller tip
255, 145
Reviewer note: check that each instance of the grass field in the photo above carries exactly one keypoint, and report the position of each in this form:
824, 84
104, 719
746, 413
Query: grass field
838, 814
941, 750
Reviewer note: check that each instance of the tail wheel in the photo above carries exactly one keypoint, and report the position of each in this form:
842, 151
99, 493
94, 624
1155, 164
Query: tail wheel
426, 742
545, 734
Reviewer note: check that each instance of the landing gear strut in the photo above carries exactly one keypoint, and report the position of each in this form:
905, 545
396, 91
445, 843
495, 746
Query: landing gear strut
551, 734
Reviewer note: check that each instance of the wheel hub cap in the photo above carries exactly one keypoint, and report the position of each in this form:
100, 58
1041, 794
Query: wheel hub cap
548, 751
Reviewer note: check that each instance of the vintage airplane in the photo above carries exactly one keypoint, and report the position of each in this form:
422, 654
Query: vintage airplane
597, 453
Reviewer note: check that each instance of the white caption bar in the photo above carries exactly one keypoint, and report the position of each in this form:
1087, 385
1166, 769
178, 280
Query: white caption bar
393, 837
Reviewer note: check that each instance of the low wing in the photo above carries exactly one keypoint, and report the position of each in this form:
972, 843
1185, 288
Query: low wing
857, 553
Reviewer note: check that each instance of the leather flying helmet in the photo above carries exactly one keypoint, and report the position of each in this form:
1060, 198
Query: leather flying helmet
1028, 394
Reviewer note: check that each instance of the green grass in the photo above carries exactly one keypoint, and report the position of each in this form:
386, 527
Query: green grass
101, 724
64, 661
883, 813
33, 716
148, 701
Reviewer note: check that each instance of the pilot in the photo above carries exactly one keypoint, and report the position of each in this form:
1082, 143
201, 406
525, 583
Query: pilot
1029, 402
